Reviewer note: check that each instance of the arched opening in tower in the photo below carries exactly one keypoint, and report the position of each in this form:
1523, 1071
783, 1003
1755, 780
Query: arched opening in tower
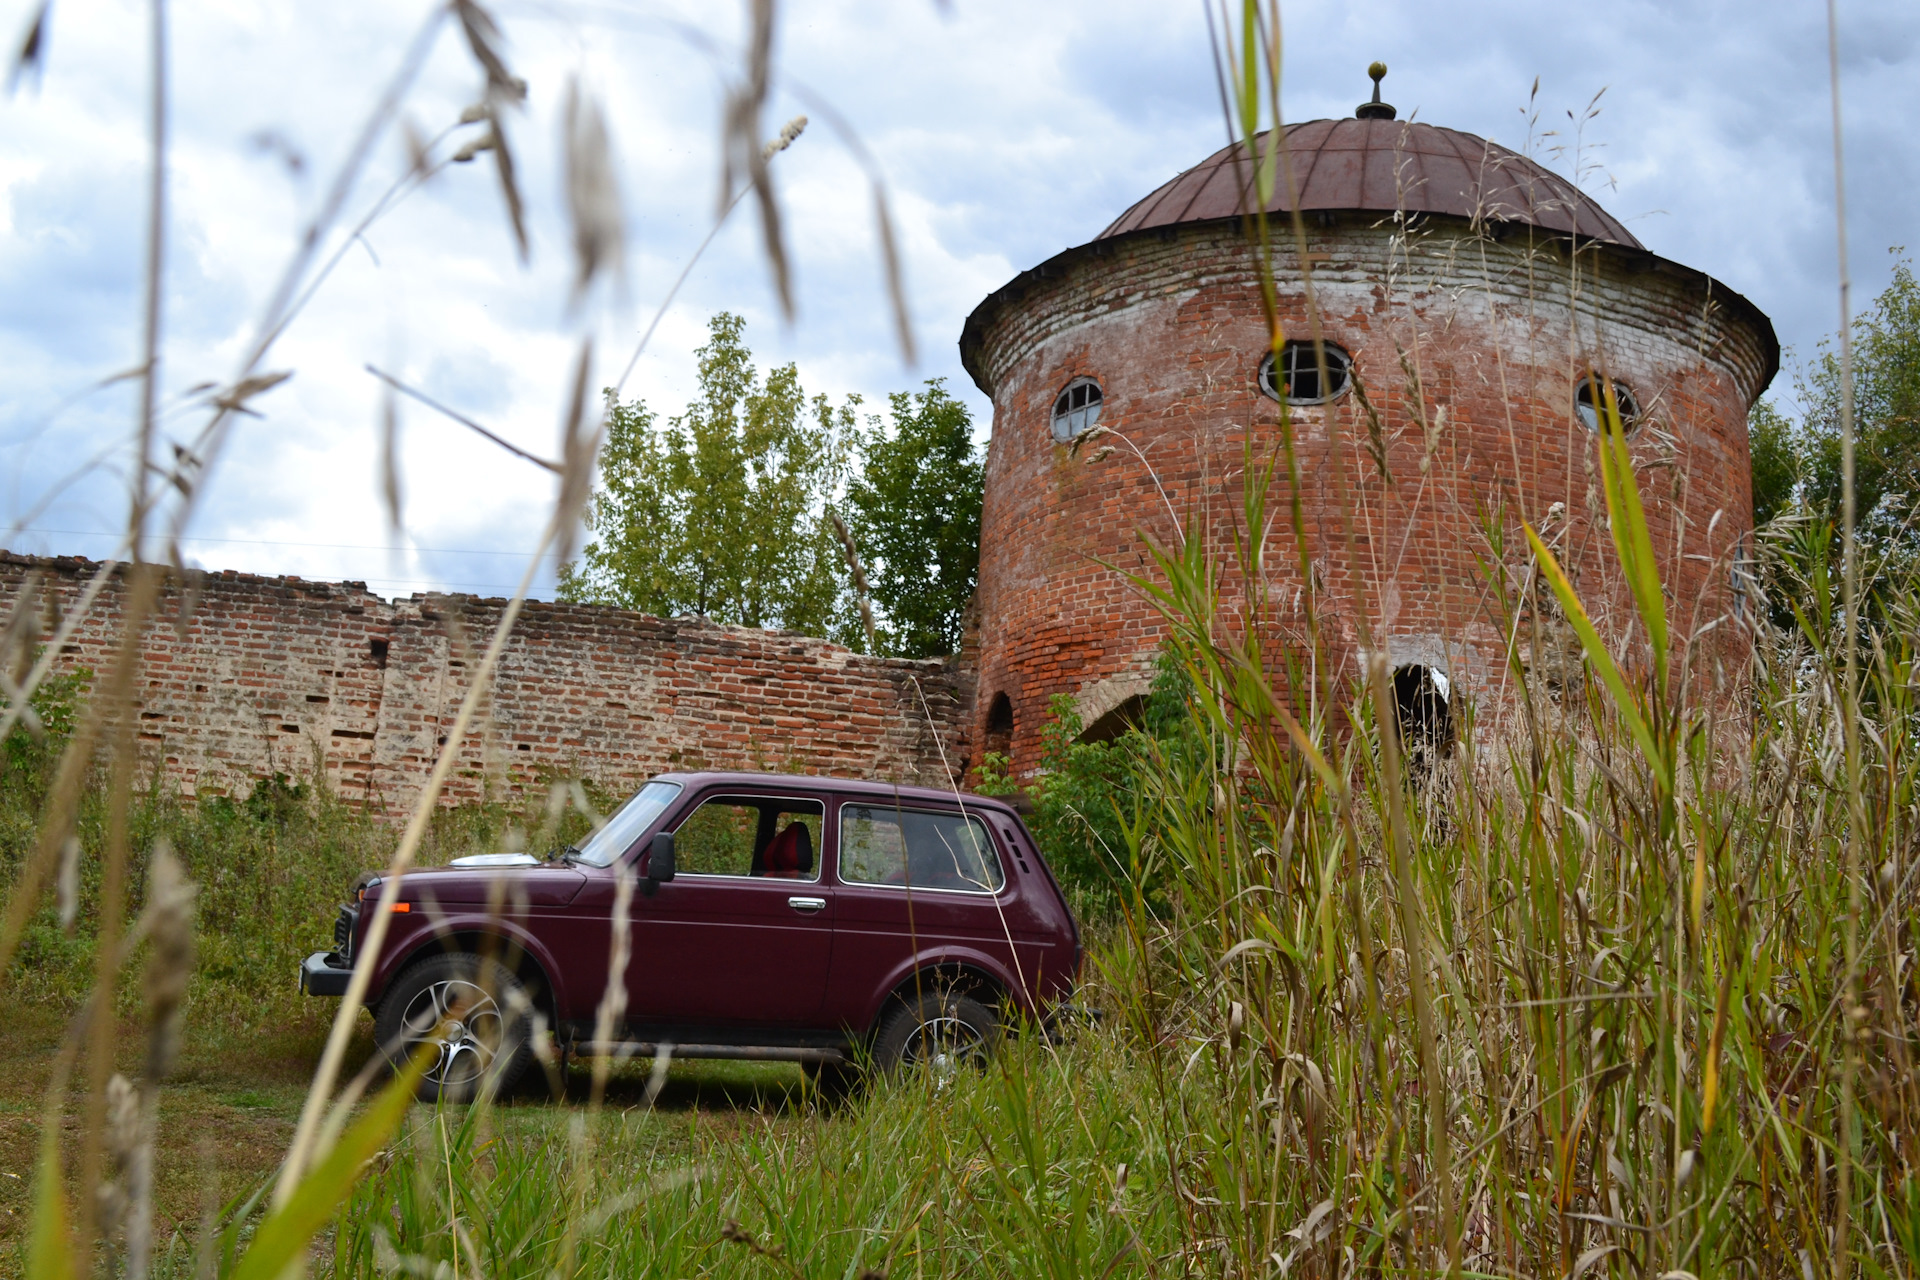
1130, 713
1422, 699
1000, 726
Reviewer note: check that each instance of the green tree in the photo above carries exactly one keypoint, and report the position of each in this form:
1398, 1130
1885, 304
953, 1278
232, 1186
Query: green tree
914, 511
1084, 793
1796, 467
1772, 446
722, 512
1886, 413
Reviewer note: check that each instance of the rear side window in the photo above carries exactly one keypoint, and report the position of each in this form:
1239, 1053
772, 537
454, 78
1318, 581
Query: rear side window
914, 850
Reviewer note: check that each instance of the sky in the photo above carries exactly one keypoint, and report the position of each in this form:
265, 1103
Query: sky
1003, 131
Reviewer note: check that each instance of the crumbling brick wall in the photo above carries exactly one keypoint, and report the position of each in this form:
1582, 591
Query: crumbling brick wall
243, 676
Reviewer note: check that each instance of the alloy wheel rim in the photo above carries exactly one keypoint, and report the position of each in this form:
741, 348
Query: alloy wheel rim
470, 1024
944, 1045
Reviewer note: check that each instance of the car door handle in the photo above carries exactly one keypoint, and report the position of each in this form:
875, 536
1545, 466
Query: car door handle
807, 904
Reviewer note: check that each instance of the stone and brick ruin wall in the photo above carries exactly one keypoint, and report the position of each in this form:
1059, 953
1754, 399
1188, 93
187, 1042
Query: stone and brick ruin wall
327, 680
1497, 326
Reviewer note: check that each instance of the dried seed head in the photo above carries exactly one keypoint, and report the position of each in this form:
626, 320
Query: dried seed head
483, 38
193, 585
22, 635
795, 127
657, 1078
473, 114
466, 153
890, 262
1236, 1023
741, 149
419, 161
170, 931
390, 457
862, 593
67, 892
31, 56
123, 1117
1087, 437
580, 802
33, 49
593, 201
234, 399
121, 1138
578, 449
509, 186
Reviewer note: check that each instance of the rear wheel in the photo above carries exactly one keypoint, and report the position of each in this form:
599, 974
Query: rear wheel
942, 1032
472, 1011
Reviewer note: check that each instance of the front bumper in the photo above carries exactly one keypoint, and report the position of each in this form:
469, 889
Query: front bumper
324, 973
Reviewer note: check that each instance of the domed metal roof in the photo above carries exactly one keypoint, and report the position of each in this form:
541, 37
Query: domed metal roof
1382, 166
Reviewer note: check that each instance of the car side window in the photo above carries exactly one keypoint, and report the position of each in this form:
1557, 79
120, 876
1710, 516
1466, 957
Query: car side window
912, 849
762, 836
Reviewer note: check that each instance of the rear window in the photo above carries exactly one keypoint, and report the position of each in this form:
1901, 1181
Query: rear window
916, 850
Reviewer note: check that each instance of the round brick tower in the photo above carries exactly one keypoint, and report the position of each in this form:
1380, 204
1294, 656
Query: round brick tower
1473, 305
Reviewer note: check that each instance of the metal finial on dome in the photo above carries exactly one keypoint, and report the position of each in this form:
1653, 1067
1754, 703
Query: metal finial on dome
1375, 110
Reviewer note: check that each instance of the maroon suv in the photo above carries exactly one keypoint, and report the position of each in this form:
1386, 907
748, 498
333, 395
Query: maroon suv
813, 920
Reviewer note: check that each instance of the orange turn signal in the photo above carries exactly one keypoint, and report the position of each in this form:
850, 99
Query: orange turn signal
403, 906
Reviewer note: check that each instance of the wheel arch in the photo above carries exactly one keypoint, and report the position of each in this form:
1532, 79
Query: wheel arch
508, 945
967, 975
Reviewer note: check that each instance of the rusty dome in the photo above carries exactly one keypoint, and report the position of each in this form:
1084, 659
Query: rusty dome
1382, 166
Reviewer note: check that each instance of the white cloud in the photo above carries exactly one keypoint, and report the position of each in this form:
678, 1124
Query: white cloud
1006, 132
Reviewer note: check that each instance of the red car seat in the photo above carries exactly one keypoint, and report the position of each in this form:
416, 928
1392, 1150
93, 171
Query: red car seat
790, 856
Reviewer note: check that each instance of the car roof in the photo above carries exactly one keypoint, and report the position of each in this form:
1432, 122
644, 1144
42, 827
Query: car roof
833, 786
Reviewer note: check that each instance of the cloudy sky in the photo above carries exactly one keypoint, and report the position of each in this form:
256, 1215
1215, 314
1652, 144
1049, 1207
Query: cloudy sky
1006, 131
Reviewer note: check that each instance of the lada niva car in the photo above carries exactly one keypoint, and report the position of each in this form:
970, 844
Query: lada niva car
816, 920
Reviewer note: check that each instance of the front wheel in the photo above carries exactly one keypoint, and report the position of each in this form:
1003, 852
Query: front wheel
472, 1011
940, 1031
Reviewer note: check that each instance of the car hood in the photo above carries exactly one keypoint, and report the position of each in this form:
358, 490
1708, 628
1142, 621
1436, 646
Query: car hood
546, 884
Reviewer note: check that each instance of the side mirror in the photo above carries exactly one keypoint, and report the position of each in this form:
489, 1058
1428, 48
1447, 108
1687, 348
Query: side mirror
659, 861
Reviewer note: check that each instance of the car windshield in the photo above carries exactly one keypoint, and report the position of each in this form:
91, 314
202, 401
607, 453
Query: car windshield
625, 826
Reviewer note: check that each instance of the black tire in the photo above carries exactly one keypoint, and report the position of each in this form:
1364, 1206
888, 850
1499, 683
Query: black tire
486, 1048
941, 1031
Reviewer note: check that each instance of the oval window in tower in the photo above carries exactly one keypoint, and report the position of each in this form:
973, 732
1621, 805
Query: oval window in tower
1590, 397
1076, 409
1294, 375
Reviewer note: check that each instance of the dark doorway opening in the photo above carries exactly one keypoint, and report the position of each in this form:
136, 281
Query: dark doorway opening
1129, 714
1421, 703
1000, 726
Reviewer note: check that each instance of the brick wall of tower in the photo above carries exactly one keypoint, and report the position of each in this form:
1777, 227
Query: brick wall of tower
251, 675
1495, 332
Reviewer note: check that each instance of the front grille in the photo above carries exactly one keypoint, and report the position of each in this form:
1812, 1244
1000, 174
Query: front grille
343, 930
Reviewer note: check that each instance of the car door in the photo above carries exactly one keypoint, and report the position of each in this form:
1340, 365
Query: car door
742, 935
909, 882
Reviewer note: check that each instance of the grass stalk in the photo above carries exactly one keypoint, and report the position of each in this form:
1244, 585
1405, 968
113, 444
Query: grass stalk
1853, 1016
